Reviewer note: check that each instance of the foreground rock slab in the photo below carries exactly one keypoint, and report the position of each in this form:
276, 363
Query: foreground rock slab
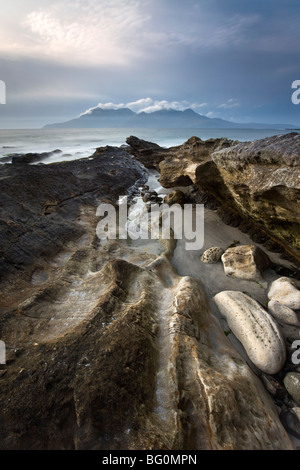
146, 366
255, 329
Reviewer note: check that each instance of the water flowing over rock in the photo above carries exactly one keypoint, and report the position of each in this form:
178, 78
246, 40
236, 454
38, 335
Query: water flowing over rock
255, 329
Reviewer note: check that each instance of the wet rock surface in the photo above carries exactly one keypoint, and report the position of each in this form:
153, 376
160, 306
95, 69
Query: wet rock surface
107, 346
29, 158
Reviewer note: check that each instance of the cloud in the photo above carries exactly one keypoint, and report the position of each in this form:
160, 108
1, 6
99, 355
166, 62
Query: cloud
91, 31
231, 103
149, 105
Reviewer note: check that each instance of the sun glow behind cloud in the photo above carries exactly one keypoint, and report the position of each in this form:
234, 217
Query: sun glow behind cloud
92, 32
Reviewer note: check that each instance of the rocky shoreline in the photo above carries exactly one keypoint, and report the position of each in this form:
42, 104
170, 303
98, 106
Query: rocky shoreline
109, 345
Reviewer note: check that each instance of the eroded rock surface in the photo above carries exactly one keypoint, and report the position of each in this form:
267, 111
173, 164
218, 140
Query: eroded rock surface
107, 347
145, 366
263, 177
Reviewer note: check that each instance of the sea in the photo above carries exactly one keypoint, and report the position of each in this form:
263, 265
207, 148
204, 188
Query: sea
78, 143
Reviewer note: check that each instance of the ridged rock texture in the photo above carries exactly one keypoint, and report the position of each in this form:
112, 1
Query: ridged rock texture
107, 347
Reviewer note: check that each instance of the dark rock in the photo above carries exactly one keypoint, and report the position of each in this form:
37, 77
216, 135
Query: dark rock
39, 204
32, 157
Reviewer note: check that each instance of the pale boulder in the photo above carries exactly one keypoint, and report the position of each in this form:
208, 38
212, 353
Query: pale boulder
292, 384
255, 329
284, 291
245, 262
283, 314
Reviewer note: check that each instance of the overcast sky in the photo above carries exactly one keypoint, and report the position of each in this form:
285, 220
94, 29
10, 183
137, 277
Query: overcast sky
234, 59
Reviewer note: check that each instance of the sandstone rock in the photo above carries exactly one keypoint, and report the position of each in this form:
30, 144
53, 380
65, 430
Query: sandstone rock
146, 348
283, 290
283, 314
176, 197
245, 262
212, 255
292, 384
254, 182
255, 329
148, 153
263, 177
108, 350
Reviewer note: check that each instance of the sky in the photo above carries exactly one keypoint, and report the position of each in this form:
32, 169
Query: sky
231, 59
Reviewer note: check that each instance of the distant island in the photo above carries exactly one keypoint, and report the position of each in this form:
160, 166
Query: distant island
166, 118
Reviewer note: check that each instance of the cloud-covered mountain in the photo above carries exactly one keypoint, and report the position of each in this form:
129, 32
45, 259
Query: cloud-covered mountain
165, 118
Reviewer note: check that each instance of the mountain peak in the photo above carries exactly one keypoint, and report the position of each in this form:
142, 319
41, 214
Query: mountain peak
122, 117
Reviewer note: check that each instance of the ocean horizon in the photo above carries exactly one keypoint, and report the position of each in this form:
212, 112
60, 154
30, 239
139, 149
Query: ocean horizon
80, 143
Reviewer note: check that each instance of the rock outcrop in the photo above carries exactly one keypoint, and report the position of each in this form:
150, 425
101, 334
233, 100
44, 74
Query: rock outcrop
29, 158
255, 184
263, 178
107, 347
41, 208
